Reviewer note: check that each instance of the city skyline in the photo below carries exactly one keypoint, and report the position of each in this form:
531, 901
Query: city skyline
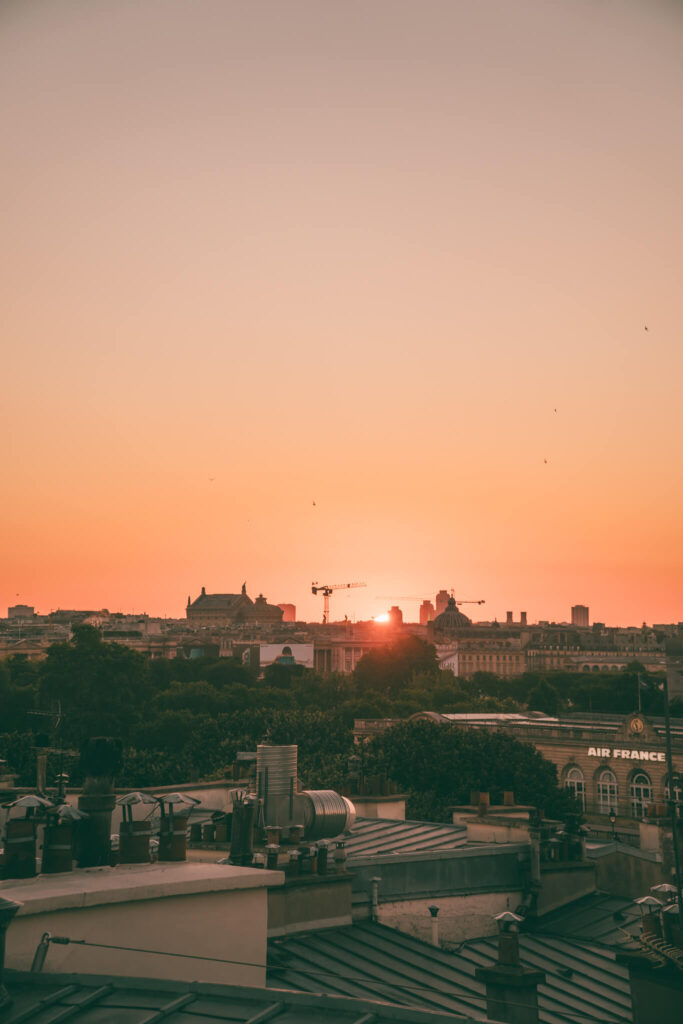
377, 292
475, 609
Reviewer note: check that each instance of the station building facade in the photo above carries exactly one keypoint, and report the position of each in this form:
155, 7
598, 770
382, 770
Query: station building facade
615, 765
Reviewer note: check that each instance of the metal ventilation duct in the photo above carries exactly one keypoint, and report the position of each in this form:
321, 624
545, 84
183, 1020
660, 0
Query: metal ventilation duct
276, 782
326, 813
275, 769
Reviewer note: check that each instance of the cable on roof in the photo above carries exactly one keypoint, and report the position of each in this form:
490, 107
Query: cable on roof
473, 997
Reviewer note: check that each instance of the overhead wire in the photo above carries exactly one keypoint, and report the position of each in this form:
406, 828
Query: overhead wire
582, 1018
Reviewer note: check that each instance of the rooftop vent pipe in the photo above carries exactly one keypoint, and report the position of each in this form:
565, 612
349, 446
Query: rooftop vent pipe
374, 911
20, 837
434, 913
175, 810
58, 839
134, 834
276, 768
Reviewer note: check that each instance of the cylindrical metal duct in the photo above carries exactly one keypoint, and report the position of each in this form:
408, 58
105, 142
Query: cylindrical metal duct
275, 768
276, 782
326, 813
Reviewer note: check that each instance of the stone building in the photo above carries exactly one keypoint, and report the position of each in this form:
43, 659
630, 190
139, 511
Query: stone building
615, 765
210, 610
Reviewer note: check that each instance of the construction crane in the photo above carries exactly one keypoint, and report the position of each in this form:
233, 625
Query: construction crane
480, 601
421, 597
326, 589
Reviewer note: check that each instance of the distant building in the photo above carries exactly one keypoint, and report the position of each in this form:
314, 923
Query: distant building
426, 613
580, 615
395, 616
287, 654
450, 618
288, 612
441, 601
73, 616
21, 611
230, 609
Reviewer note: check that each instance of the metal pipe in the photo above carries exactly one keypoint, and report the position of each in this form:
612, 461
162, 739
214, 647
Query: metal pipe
434, 912
41, 952
374, 910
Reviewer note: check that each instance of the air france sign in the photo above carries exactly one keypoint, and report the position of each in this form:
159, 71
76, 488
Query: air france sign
626, 755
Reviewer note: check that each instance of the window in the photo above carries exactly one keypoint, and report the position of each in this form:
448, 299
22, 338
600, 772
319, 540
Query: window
574, 782
641, 794
607, 792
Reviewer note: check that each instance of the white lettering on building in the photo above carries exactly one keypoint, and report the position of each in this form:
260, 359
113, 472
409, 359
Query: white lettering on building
626, 755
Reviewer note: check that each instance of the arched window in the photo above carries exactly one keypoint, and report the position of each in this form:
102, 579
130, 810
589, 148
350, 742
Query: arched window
607, 792
574, 782
641, 794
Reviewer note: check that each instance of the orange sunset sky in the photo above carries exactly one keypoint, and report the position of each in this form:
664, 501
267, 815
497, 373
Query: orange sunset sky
394, 258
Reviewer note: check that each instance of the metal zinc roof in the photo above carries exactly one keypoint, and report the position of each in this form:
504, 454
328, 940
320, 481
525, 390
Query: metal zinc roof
598, 918
583, 982
83, 999
371, 836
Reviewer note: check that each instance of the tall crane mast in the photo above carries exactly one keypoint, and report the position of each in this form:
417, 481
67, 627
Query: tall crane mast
326, 589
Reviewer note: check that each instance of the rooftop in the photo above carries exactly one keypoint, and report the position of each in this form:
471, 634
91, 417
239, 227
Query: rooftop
598, 918
89, 887
583, 981
84, 999
369, 837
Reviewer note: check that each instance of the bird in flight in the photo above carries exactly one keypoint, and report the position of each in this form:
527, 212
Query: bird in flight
313, 503
545, 460
645, 326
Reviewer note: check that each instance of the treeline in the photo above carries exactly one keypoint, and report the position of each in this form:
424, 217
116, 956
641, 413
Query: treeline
182, 720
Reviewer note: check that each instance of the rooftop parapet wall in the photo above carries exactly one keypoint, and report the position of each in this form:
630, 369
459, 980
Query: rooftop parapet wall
449, 872
176, 912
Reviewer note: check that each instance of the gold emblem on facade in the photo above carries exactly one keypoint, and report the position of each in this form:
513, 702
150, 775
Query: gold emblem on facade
637, 725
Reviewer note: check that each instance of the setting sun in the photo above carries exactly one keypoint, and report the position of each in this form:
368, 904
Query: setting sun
384, 617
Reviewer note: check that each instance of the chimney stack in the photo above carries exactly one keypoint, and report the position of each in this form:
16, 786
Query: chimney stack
100, 761
508, 618
522, 618
511, 990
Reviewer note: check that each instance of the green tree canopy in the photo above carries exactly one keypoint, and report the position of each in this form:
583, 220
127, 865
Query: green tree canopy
544, 697
103, 689
439, 765
386, 669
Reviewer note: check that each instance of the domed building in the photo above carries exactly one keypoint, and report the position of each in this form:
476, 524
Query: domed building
451, 619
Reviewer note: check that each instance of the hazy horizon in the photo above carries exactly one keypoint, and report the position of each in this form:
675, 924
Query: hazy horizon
382, 291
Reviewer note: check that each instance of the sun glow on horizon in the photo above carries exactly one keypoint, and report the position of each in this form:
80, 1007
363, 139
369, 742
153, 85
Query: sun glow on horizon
384, 617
